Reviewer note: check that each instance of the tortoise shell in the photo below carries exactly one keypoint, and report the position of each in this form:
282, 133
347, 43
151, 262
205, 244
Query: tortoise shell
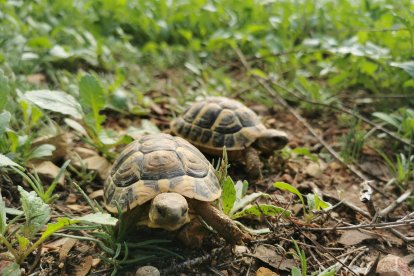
216, 122
155, 164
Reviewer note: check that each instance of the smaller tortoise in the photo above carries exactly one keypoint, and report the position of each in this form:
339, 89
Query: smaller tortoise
216, 122
158, 178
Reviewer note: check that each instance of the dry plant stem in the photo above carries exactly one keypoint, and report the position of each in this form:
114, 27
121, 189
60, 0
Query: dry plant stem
316, 260
193, 262
402, 236
351, 206
396, 203
219, 221
350, 112
300, 118
364, 248
383, 225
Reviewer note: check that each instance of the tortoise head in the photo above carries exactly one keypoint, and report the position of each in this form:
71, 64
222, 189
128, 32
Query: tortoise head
168, 211
270, 140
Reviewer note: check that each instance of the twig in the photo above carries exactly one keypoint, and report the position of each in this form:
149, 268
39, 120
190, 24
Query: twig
402, 236
396, 203
192, 262
345, 110
382, 225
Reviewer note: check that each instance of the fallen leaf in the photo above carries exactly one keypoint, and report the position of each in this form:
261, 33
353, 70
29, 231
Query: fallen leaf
66, 247
95, 262
36, 78
263, 271
84, 152
269, 254
78, 208
96, 194
84, 267
392, 265
99, 164
60, 141
353, 237
71, 199
315, 170
48, 170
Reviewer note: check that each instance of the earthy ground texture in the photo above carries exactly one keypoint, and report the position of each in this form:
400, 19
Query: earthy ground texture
79, 80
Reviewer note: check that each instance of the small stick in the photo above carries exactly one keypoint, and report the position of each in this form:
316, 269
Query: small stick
383, 225
396, 203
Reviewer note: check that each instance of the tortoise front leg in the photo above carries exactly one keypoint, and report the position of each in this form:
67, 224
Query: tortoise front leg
253, 164
219, 221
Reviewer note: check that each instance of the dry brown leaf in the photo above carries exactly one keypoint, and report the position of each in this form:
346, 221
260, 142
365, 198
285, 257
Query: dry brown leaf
269, 254
48, 170
60, 141
66, 247
353, 237
99, 164
84, 152
96, 194
36, 78
55, 244
71, 199
263, 271
78, 208
84, 267
96, 261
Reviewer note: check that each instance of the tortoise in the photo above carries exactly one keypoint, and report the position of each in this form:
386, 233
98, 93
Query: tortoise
218, 122
158, 178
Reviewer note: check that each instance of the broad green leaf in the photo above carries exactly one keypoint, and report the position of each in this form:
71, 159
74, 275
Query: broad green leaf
305, 152
262, 209
5, 161
23, 242
3, 217
407, 66
92, 98
12, 269
42, 151
147, 127
4, 90
14, 212
259, 73
287, 187
56, 101
76, 126
241, 188
36, 212
387, 118
320, 203
228, 196
4, 122
98, 218
54, 227
244, 201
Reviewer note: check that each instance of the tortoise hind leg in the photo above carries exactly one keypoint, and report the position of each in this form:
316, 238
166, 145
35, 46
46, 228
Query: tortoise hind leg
219, 221
253, 164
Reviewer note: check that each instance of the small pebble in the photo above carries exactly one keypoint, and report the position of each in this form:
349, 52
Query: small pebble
147, 271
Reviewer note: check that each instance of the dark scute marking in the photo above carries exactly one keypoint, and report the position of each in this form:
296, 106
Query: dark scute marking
179, 124
201, 189
192, 112
175, 181
125, 179
153, 184
130, 197
161, 165
247, 117
229, 141
120, 161
205, 136
109, 191
186, 130
209, 116
195, 133
228, 123
218, 139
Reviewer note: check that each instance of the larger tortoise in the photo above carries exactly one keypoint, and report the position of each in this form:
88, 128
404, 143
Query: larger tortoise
158, 178
216, 122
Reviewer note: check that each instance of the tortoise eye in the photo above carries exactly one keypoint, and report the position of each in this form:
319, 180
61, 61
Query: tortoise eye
183, 211
161, 211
